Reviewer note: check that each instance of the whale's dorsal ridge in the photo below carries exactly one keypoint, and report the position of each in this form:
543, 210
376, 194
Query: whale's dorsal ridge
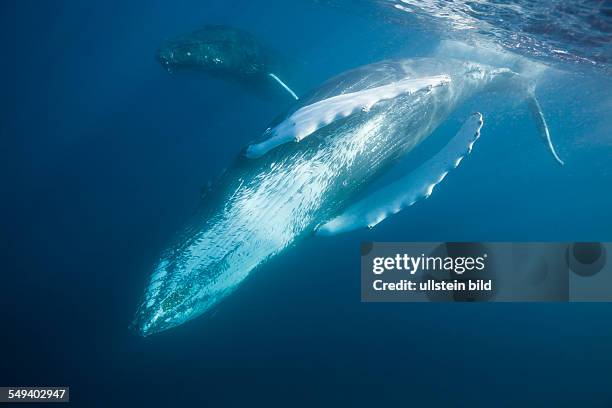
406, 191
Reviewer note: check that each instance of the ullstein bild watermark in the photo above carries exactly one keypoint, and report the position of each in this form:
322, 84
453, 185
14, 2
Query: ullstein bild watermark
485, 271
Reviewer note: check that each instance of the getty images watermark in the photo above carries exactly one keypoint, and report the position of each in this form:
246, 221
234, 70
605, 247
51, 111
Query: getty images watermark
485, 271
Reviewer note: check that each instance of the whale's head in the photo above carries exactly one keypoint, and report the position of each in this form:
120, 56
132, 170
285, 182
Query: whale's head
173, 56
159, 309
177, 292
215, 49
190, 54
251, 213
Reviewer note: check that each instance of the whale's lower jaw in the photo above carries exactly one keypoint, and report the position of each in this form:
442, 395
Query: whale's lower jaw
151, 319
191, 281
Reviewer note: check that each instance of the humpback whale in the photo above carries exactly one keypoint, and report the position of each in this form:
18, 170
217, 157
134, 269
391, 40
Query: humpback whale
222, 51
307, 175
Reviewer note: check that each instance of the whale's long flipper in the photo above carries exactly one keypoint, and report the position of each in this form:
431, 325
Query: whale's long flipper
284, 85
409, 189
538, 116
308, 119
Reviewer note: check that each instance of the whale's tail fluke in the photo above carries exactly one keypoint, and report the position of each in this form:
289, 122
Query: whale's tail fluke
284, 85
538, 116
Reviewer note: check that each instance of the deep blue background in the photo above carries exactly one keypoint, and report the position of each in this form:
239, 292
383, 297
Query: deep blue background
102, 157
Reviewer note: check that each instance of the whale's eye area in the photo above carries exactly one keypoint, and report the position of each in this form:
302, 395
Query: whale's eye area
162, 59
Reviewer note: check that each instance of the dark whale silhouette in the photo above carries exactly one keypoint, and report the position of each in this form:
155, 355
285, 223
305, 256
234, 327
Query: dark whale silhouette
222, 51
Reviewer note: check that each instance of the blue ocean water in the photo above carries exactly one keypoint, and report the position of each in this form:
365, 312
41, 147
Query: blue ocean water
104, 154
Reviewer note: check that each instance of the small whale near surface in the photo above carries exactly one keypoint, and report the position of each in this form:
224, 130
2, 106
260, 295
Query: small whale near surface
224, 52
305, 176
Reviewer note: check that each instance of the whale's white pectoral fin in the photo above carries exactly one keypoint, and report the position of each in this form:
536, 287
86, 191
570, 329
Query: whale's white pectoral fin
406, 191
257, 150
283, 85
308, 119
538, 116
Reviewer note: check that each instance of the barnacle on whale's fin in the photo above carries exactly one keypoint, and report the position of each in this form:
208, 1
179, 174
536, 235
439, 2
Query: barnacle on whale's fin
308, 119
404, 192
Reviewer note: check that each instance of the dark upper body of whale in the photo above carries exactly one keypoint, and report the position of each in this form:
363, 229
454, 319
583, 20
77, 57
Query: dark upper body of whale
228, 53
217, 50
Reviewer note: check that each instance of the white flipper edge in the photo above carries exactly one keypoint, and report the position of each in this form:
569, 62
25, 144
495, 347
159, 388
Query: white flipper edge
538, 116
404, 192
284, 85
308, 119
